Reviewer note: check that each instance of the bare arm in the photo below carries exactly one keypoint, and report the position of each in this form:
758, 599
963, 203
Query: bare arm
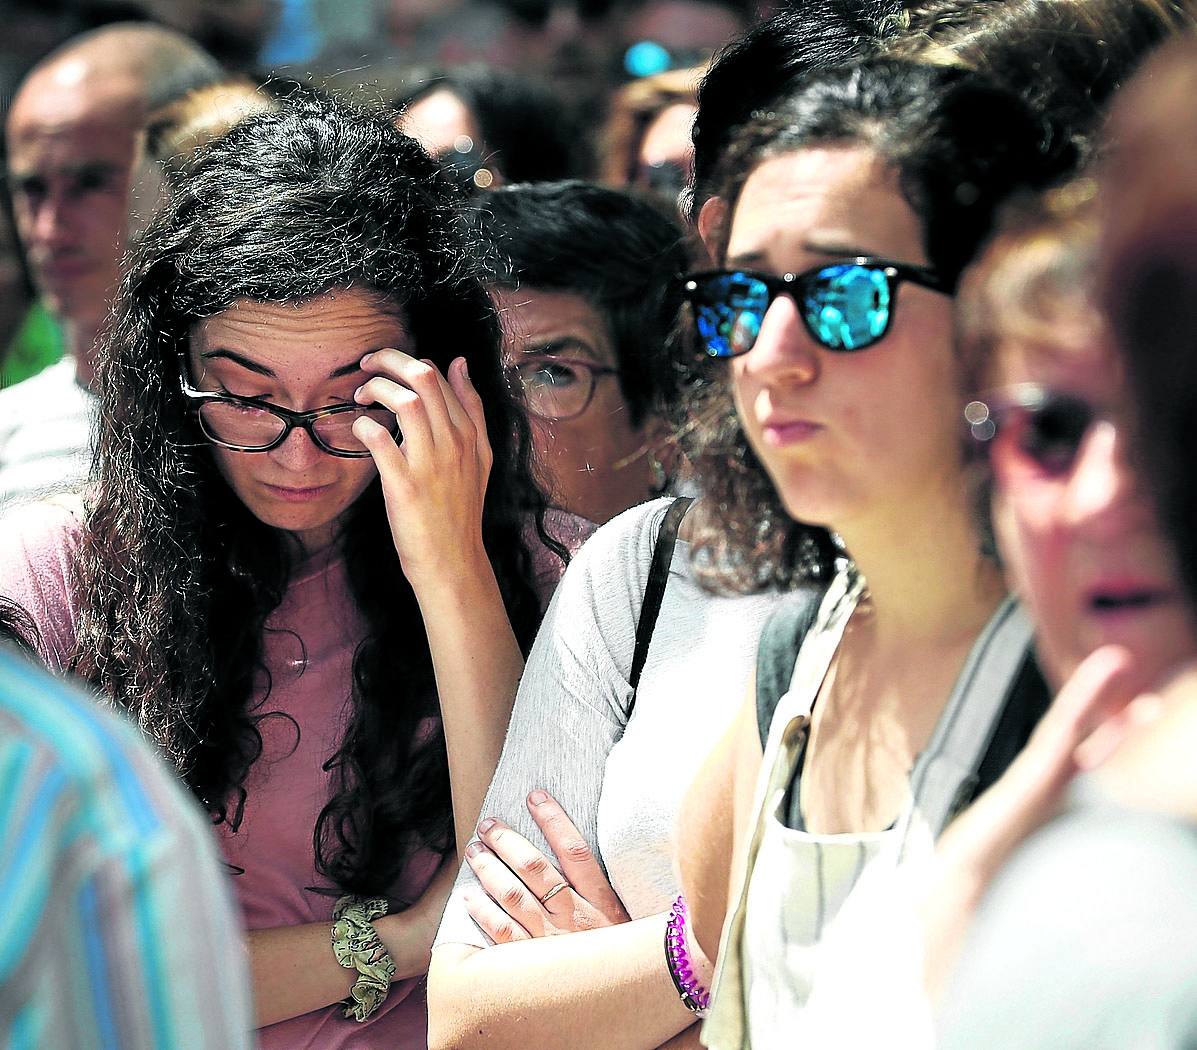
435, 488
604, 989
294, 971
687, 1040
713, 831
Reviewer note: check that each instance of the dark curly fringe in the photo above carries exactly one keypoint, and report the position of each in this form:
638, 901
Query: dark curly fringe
177, 578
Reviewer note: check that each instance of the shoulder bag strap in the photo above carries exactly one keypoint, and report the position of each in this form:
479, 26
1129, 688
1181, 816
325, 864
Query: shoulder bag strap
654, 592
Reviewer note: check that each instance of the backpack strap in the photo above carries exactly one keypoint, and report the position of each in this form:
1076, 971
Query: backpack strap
654, 591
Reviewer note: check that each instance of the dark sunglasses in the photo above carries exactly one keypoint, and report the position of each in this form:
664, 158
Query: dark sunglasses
1032, 427
845, 306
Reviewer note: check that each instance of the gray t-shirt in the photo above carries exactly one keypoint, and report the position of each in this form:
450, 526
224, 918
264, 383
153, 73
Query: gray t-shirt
1086, 941
621, 780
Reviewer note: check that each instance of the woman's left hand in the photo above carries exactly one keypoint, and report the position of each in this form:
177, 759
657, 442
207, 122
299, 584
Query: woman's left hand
434, 474
526, 895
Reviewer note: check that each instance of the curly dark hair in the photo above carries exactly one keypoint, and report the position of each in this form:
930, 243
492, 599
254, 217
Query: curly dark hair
177, 578
960, 147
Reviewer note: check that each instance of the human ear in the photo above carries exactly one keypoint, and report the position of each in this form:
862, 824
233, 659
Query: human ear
711, 219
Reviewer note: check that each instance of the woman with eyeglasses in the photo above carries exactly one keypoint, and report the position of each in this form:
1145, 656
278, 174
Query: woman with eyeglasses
582, 276
905, 683
312, 521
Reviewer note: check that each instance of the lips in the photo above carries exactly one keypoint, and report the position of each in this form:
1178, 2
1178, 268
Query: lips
62, 267
1115, 599
297, 495
781, 432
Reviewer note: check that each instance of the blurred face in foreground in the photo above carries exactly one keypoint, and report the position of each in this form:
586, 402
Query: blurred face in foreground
1077, 531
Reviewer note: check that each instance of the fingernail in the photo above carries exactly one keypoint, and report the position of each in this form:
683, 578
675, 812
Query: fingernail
486, 825
366, 357
465, 369
538, 797
474, 848
358, 392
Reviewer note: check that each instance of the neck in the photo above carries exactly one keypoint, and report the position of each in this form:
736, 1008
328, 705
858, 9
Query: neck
80, 338
927, 581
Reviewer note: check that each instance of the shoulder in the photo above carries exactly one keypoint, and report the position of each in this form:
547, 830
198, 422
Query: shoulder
611, 569
83, 760
38, 546
27, 400
627, 540
589, 629
103, 842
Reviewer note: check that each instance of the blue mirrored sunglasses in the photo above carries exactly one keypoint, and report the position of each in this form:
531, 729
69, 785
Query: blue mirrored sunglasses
845, 306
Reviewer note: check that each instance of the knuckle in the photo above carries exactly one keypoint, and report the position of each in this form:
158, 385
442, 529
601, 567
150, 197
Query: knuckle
424, 375
537, 866
511, 897
504, 932
577, 851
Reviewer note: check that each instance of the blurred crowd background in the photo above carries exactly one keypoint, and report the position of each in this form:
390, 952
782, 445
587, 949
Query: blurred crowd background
600, 89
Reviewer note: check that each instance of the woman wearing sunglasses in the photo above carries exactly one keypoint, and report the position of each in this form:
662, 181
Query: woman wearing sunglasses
309, 523
905, 682
1097, 906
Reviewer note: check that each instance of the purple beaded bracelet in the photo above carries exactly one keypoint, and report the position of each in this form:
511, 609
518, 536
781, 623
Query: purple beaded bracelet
694, 996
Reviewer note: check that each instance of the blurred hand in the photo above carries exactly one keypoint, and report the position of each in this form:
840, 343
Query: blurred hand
1084, 724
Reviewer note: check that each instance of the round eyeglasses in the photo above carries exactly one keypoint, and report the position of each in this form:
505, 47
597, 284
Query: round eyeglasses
248, 424
557, 388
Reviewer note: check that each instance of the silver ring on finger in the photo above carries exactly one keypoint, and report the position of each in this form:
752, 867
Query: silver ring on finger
553, 892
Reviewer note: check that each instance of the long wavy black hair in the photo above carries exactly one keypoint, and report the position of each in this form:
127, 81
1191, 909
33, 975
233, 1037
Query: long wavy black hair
177, 578
960, 147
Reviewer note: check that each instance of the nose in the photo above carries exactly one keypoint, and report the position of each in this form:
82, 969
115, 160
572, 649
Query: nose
1103, 497
784, 351
51, 219
298, 453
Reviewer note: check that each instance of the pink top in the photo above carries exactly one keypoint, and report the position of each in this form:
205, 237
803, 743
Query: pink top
309, 652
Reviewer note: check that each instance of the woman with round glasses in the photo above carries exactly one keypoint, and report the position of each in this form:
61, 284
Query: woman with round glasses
310, 520
583, 279
905, 682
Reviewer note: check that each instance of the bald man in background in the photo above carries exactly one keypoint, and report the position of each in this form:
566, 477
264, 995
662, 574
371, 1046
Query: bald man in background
72, 137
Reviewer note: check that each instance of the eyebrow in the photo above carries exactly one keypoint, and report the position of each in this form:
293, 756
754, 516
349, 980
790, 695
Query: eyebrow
259, 369
103, 169
831, 249
564, 344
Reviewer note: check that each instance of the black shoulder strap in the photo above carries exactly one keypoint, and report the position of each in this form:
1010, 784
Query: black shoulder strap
778, 648
654, 591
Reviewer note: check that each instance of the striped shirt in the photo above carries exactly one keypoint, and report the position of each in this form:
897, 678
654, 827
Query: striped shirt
116, 927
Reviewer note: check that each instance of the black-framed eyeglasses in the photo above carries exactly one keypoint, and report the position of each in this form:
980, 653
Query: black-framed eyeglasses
557, 388
1031, 429
249, 424
845, 306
